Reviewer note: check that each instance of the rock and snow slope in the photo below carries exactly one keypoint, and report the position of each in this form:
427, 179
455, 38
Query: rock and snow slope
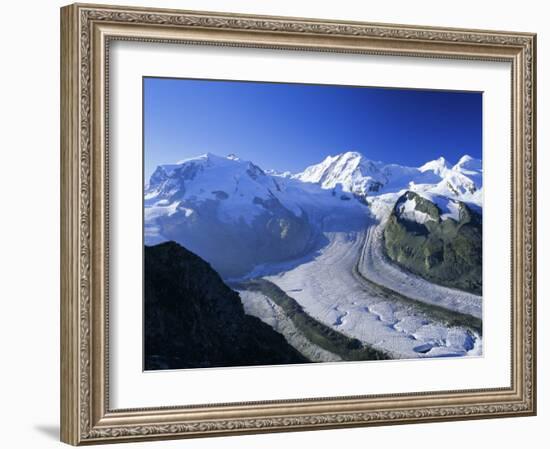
235, 215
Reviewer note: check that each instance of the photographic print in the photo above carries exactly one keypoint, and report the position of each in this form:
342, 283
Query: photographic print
292, 202
294, 223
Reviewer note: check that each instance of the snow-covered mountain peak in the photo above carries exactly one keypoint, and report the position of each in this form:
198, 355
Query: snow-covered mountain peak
351, 171
465, 159
316, 172
439, 166
200, 160
205, 158
350, 156
199, 176
468, 165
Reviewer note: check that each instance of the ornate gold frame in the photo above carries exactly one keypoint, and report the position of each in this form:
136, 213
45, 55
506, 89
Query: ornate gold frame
86, 31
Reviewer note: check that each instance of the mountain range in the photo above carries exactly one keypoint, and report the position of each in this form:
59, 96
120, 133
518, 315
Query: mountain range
237, 215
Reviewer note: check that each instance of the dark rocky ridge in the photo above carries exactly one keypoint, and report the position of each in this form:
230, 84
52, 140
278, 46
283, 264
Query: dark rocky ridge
193, 320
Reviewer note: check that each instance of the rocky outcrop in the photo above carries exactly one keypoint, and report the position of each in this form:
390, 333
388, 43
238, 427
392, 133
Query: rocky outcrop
193, 320
420, 237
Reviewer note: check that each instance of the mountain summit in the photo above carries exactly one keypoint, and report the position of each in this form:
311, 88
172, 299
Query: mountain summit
354, 173
439, 166
351, 170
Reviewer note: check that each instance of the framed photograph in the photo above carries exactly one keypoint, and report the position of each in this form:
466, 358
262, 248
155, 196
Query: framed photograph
280, 224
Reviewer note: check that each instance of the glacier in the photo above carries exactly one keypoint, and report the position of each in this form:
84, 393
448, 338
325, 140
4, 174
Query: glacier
317, 235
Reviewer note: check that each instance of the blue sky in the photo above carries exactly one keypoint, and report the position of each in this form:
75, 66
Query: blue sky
291, 126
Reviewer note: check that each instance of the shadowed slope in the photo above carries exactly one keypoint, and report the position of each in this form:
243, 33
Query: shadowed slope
192, 319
